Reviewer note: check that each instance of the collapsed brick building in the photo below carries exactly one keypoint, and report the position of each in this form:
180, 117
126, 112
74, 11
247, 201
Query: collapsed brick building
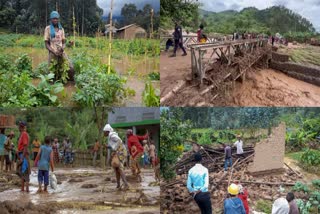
262, 172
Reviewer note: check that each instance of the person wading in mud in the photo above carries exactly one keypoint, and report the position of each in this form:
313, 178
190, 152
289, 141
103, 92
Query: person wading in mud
198, 184
178, 40
118, 155
136, 151
55, 42
23, 143
43, 160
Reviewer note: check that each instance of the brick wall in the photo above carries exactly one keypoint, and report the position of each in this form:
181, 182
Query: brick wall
269, 152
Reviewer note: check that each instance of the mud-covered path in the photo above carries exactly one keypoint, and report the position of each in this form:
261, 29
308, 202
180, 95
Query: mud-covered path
85, 190
265, 87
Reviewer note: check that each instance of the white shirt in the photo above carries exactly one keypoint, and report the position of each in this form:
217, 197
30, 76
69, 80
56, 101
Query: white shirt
114, 140
239, 145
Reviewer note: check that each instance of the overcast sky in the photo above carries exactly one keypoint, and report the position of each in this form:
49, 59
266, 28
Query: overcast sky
118, 4
309, 9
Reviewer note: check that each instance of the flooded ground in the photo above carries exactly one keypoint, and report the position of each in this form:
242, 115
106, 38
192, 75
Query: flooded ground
264, 87
83, 190
134, 68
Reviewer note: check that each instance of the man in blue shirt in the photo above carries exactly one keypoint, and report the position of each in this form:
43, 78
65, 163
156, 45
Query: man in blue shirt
198, 183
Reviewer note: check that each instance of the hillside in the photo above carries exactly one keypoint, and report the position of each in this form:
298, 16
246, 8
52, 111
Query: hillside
276, 19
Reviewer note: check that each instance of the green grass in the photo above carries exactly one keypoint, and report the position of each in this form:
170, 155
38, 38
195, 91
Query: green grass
264, 206
295, 155
304, 55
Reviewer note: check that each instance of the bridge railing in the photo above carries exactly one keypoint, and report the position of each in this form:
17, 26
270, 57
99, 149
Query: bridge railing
204, 55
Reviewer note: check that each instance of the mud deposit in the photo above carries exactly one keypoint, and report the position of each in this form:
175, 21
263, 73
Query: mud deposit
264, 87
81, 190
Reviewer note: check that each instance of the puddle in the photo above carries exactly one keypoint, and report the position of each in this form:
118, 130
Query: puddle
102, 196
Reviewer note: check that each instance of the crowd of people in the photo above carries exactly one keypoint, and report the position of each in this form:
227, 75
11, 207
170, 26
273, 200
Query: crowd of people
236, 201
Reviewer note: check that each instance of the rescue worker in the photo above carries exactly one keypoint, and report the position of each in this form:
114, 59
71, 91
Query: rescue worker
55, 43
198, 185
243, 195
239, 145
233, 204
118, 155
178, 40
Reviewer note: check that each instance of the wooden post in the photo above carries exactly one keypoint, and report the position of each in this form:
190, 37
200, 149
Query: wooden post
151, 30
110, 38
74, 28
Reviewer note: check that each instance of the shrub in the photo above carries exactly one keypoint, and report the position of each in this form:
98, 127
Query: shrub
311, 157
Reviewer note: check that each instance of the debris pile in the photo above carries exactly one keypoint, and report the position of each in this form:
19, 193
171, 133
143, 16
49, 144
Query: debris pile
175, 197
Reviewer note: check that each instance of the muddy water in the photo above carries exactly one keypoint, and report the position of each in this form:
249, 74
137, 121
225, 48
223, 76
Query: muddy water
71, 193
135, 69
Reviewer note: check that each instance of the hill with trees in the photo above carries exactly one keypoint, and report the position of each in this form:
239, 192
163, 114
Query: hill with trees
276, 19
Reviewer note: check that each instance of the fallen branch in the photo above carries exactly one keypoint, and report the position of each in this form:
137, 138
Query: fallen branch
299, 175
173, 92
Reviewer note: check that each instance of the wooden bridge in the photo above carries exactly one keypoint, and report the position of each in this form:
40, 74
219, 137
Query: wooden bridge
189, 40
204, 56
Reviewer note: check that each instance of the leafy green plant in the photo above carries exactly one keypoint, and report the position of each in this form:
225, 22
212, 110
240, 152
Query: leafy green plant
174, 131
150, 98
300, 187
24, 63
204, 139
311, 157
304, 207
264, 206
42, 69
59, 67
154, 76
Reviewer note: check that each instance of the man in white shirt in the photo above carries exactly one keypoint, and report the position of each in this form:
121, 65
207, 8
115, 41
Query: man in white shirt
198, 184
239, 145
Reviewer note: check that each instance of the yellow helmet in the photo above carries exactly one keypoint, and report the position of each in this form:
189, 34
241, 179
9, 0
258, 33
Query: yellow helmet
233, 189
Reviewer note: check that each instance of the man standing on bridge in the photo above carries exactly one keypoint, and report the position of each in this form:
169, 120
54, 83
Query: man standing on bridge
178, 40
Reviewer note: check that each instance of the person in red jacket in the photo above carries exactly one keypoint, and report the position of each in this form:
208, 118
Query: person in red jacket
23, 139
243, 195
135, 150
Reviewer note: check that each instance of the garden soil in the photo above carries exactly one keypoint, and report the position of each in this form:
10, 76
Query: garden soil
80, 190
262, 87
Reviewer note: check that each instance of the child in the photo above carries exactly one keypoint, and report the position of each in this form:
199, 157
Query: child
145, 153
25, 171
45, 157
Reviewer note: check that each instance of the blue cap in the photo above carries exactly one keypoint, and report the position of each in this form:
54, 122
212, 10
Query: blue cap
22, 124
54, 15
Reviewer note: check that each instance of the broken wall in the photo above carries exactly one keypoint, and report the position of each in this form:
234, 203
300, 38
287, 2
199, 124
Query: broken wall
269, 152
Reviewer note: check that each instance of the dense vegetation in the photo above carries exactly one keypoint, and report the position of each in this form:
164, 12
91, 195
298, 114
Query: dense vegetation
81, 125
31, 16
276, 19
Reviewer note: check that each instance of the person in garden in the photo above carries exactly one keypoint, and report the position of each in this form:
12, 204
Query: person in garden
3, 138
136, 151
96, 148
198, 185
55, 43
43, 160
36, 146
228, 157
55, 149
8, 146
118, 155
25, 170
233, 204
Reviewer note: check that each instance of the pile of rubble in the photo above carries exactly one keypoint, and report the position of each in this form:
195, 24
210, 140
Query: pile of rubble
175, 197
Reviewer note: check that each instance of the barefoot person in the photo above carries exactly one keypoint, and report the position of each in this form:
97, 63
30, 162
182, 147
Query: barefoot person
3, 139
136, 151
23, 143
25, 171
8, 146
43, 160
55, 42
118, 154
